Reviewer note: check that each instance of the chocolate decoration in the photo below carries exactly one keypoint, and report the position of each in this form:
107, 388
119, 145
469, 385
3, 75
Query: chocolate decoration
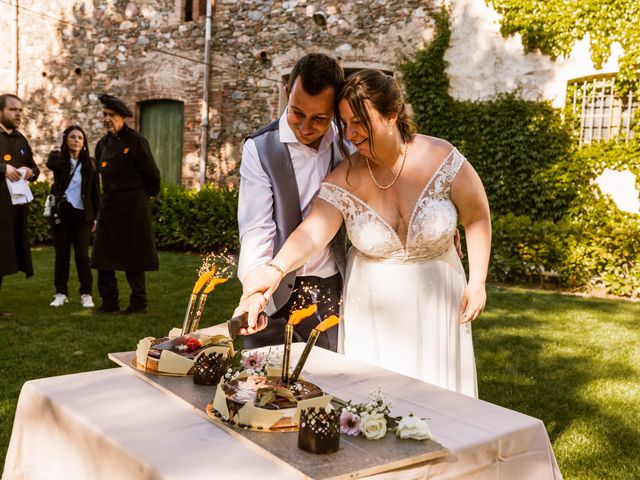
319, 431
209, 368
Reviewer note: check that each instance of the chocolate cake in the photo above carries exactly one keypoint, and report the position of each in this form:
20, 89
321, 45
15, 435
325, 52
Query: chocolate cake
265, 403
176, 355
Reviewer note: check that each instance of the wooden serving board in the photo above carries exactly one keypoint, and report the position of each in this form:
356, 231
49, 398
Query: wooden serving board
357, 457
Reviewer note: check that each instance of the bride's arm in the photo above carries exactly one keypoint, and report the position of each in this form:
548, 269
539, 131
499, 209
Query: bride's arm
311, 236
469, 197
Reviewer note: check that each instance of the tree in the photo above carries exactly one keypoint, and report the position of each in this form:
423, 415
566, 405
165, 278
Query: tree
554, 26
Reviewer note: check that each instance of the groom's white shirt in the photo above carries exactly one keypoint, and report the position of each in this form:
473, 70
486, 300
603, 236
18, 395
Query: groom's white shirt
255, 205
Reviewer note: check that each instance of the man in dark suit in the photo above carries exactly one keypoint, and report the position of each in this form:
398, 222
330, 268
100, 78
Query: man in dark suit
124, 236
16, 163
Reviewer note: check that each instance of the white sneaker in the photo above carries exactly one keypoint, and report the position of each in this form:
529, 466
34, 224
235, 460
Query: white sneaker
58, 300
86, 300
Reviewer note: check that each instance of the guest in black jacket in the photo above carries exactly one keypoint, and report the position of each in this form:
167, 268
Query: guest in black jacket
16, 161
76, 188
124, 235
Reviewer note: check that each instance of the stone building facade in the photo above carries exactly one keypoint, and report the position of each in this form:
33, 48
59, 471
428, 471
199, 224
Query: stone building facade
151, 54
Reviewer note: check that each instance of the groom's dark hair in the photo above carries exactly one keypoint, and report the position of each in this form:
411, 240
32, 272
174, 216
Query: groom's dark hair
317, 71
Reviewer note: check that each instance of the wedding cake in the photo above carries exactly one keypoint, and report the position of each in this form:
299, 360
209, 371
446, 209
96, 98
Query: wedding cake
265, 403
177, 354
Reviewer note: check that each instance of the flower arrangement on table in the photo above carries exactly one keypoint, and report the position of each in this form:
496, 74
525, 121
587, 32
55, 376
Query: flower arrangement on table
373, 419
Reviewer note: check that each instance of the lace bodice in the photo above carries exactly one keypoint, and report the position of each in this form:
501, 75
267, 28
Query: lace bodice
431, 227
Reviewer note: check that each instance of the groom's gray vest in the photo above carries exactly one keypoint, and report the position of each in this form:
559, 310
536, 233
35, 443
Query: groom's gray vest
276, 162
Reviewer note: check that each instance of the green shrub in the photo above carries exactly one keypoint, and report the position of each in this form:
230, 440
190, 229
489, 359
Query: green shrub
200, 221
39, 229
183, 220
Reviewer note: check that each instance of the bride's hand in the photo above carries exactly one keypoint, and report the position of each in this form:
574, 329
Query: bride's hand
262, 280
473, 301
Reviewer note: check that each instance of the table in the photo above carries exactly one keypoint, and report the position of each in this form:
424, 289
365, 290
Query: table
111, 424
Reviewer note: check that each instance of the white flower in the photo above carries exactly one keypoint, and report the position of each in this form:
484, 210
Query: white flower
414, 428
274, 358
373, 426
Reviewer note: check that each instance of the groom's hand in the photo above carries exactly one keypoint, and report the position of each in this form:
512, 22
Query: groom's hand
458, 244
253, 305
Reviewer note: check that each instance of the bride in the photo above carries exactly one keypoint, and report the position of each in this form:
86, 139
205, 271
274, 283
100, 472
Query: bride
407, 305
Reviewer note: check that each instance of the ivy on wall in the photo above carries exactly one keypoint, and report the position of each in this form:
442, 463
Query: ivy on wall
513, 144
554, 26
546, 214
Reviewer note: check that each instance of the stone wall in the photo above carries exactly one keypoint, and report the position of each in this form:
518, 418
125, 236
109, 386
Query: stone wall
144, 50
72, 50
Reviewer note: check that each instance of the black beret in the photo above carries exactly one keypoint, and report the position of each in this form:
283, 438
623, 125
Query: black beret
115, 104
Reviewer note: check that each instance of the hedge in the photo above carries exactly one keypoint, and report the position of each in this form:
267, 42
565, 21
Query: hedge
184, 220
201, 221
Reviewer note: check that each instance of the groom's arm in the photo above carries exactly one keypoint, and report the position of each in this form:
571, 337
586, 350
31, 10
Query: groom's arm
255, 212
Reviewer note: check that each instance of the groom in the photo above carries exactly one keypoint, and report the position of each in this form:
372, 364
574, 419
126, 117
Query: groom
282, 167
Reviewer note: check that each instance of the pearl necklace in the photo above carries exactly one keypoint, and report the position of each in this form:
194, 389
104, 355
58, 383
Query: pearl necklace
387, 187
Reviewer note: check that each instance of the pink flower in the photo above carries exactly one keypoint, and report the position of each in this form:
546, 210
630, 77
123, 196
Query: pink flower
253, 360
349, 423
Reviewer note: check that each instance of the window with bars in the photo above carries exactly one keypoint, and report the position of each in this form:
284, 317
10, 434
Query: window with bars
600, 113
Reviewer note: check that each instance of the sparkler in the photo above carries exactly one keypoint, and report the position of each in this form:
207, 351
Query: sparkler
326, 324
199, 285
213, 283
216, 268
295, 318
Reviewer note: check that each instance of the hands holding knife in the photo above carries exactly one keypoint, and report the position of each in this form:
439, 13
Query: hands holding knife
258, 286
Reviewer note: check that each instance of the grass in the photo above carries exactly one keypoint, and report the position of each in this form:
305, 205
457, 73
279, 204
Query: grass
572, 362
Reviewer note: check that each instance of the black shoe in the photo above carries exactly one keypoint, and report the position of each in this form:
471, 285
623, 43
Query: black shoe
107, 309
5, 314
130, 310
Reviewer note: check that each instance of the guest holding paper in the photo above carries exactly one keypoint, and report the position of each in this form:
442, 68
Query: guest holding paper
77, 192
16, 168
407, 305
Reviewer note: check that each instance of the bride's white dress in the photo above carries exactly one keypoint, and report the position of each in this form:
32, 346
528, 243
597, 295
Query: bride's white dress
401, 304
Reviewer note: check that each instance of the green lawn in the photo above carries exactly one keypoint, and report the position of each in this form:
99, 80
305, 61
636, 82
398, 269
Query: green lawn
570, 361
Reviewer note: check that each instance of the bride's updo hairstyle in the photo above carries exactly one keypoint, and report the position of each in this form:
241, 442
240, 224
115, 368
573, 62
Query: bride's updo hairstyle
382, 92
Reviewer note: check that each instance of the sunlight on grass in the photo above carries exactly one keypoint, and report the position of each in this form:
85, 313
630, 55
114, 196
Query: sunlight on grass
615, 396
572, 362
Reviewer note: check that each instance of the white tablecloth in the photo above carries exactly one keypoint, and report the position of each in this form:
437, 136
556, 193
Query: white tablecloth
110, 424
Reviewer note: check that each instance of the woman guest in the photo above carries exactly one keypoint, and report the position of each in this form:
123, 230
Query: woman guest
407, 305
76, 188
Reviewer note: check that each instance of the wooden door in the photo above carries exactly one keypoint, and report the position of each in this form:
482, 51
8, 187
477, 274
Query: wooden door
161, 123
